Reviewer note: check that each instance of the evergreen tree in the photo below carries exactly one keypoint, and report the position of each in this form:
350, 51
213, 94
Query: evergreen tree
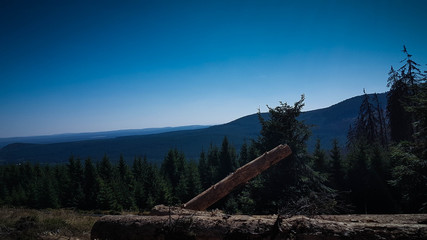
159, 192
383, 136
35, 187
13, 183
75, 186
137, 169
367, 166
25, 177
358, 177
243, 155
337, 170
380, 198
378, 162
245, 201
109, 186
283, 127
139, 195
403, 85
409, 177
105, 170
407, 117
125, 185
139, 175
351, 136
227, 159
62, 184
34, 195
105, 199
204, 171
253, 151
48, 197
18, 197
366, 126
222, 163
419, 110
157, 189
248, 197
182, 189
148, 172
410, 72
90, 186
194, 181
399, 118
173, 166
320, 163
213, 165
291, 183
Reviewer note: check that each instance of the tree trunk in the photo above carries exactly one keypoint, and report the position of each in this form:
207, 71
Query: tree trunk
193, 225
240, 176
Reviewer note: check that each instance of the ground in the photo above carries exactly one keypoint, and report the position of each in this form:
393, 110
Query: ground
20, 223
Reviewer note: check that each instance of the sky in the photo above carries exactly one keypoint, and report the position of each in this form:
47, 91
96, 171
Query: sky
85, 66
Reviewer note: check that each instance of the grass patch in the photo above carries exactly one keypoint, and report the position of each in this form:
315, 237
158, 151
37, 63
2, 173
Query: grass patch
19, 223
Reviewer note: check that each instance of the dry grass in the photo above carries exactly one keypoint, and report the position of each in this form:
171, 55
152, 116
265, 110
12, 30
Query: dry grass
19, 223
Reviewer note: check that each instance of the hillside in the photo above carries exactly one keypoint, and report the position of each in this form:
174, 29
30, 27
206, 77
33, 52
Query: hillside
72, 137
327, 123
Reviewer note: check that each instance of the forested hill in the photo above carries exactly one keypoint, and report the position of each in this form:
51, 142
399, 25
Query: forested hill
72, 137
327, 123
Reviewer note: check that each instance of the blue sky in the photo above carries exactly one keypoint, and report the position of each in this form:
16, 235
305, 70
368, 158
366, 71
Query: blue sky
84, 66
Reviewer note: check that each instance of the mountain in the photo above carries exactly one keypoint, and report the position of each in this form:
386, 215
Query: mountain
71, 137
326, 124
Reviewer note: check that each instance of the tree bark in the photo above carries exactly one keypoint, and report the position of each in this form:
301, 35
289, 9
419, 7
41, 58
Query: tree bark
240, 176
195, 225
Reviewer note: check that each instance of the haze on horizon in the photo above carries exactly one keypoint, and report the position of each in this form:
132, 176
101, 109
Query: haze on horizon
74, 66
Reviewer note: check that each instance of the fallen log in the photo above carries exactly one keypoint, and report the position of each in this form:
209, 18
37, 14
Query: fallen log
240, 176
218, 226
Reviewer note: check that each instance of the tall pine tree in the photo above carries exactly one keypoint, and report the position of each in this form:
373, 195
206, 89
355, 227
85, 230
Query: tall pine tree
403, 85
291, 185
90, 186
227, 159
337, 173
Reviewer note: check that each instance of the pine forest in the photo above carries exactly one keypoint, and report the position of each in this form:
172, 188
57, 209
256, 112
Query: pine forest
382, 167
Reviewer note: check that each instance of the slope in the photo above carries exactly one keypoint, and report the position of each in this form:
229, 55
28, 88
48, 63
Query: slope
327, 123
71, 137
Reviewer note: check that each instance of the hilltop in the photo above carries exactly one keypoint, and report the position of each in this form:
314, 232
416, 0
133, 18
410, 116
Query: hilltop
326, 124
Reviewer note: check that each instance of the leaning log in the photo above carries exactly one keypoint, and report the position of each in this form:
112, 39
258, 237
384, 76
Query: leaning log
240, 176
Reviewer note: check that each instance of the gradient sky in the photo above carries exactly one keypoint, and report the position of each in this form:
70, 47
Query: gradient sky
85, 66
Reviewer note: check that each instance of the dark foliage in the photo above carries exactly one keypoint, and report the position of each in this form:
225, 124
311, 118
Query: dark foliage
292, 180
391, 176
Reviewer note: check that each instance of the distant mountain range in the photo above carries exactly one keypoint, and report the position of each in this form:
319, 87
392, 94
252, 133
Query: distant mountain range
72, 137
326, 124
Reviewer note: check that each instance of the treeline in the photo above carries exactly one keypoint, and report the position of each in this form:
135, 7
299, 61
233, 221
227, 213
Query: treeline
381, 169
106, 186
387, 148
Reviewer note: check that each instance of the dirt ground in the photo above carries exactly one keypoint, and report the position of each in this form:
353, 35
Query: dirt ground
23, 223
